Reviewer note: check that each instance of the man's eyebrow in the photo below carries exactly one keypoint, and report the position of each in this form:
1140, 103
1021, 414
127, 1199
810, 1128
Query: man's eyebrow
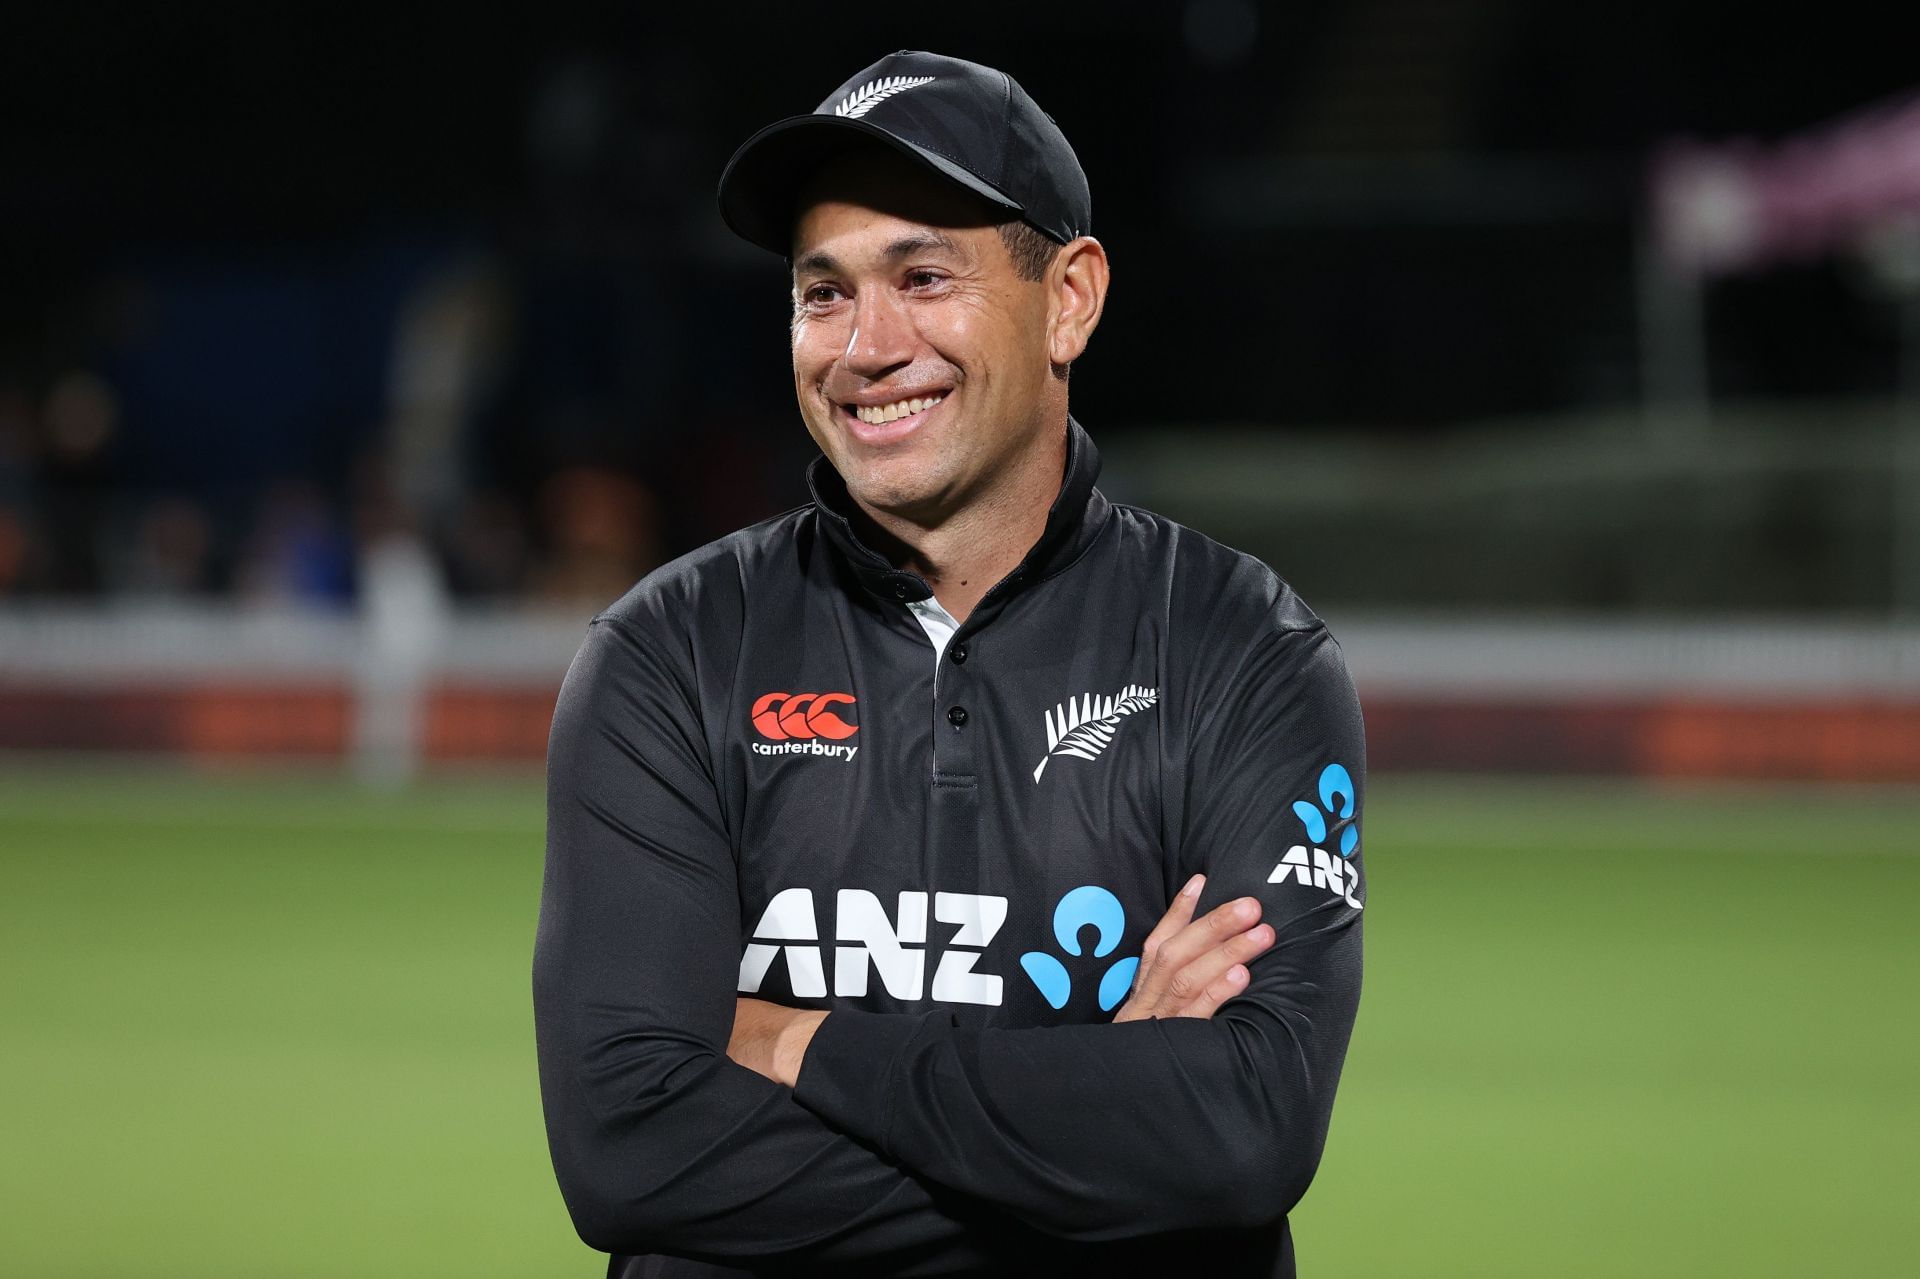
820, 262
817, 263
921, 242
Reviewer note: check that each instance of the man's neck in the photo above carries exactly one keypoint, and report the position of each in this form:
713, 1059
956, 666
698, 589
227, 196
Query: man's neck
971, 549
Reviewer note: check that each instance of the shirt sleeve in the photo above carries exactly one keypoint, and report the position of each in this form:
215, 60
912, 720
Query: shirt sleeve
1105, 1131
660, 1142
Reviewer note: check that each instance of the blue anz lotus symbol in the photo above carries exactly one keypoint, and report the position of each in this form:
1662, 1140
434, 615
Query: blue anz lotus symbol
1336, 797
1087, 904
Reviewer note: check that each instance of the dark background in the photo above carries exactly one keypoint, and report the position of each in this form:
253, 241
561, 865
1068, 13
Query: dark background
1393, 219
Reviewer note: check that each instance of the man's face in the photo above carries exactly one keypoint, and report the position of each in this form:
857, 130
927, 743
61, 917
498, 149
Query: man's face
919, 354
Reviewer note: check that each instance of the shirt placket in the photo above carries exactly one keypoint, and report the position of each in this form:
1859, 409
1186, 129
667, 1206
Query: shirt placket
954, 801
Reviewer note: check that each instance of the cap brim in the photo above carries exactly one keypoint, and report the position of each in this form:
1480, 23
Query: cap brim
761, 183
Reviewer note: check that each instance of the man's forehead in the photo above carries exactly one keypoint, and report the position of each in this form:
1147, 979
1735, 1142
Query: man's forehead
887, 198
835, 235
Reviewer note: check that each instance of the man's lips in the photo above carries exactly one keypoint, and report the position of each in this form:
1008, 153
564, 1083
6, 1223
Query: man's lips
892, 428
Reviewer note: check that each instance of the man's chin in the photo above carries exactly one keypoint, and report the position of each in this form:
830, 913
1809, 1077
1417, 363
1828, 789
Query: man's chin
904, 492
902, 500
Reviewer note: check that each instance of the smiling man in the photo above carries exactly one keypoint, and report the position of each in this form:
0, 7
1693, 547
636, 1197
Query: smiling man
919, 369
960, 874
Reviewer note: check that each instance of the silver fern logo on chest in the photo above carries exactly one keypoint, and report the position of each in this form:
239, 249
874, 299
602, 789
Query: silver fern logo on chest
1084, 726
874, 92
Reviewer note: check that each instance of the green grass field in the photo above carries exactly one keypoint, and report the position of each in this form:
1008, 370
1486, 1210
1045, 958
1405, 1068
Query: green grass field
278, 1026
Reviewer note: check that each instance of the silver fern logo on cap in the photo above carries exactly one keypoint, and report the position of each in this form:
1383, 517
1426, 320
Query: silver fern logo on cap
874, 92
1085, 726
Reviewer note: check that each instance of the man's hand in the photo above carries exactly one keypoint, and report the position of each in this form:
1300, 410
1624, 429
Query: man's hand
772, 1039
1189, 967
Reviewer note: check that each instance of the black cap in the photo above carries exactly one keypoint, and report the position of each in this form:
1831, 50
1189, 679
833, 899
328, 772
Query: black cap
972, 125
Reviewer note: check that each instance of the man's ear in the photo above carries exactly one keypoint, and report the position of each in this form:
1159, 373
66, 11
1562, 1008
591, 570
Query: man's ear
1077, 282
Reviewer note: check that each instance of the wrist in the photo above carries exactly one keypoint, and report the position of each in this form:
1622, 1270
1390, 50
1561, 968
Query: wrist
790, 1048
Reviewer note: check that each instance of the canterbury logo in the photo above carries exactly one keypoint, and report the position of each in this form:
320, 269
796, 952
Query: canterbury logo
802, 716
1085, 727
874, 92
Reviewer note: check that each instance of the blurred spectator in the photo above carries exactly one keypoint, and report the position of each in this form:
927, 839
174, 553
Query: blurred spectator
487, 549
601, 533
404, 610
299, 551
79, 423
172, 552
13, 551
446, 343
732, 472
16, 443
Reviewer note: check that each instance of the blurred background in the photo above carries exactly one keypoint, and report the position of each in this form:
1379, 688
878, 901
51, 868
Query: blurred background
1567, 360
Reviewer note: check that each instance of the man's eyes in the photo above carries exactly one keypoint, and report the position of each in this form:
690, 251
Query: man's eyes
826, 294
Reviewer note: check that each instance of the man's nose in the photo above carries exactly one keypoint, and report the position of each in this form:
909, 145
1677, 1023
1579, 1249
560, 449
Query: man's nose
882, 337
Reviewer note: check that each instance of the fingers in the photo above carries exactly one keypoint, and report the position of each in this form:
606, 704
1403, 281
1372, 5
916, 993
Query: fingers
1214, 993
1179, 912
1186, 965
1150, 978
1221, 924
1217, 975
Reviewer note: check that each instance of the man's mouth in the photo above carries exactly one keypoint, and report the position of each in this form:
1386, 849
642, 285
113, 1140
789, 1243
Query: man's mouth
885, 424
881, 414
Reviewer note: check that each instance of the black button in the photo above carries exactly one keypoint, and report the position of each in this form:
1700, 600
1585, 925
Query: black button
959, 652
957, 716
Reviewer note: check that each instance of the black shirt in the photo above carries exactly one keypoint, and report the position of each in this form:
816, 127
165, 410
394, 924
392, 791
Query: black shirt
763, 779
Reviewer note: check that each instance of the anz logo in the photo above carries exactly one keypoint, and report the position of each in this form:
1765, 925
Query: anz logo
1083, 907
1335, 814
867, 941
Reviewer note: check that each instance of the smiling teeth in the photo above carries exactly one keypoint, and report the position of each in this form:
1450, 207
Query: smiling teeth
881, 413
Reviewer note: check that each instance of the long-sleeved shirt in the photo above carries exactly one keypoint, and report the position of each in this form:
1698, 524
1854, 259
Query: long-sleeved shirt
767, 776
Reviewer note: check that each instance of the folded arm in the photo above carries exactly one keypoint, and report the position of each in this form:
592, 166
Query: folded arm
660, 1143
1107, 1131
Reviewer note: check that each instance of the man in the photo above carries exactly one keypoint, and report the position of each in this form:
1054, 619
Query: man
959, 874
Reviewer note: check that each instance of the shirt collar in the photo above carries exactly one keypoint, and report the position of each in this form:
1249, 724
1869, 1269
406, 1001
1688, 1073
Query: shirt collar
1073, 521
